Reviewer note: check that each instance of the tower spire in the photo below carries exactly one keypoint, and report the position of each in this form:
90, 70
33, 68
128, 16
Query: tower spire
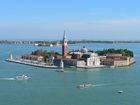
64, 37
64, 46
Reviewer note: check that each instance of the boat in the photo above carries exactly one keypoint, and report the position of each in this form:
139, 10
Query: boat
88, 85
120, 91
84, 86
81, 86
22, 77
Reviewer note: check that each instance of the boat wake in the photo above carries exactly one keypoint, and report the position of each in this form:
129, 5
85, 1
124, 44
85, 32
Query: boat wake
8, 79
22, 77
91, 85
99, 85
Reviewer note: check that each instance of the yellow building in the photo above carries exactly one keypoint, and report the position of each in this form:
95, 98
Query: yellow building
117, 60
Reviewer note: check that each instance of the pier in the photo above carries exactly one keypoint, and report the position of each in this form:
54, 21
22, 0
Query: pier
32, 63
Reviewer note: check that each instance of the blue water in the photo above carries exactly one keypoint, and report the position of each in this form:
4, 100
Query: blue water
48, 87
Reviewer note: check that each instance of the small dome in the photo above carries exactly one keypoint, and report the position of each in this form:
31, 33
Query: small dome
84, 50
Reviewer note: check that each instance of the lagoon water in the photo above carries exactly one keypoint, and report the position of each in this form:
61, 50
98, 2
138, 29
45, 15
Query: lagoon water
48, 87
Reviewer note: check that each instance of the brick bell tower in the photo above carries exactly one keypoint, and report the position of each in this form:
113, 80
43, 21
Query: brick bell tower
64, 46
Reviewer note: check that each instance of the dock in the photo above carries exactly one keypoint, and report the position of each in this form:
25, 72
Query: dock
91, 67
32, 63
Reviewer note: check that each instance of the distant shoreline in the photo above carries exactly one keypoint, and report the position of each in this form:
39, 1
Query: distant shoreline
69, 42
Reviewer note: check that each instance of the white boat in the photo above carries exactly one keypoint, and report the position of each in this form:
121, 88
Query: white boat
120, 91
22, 77
81, 86
88, 85
84, 86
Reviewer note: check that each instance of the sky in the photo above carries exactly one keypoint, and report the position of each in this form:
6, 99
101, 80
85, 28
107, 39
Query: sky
82, 19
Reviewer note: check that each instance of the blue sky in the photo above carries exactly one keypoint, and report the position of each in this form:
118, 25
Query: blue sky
82, 19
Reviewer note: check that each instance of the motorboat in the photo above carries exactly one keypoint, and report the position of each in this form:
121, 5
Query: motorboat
84, 86
81, 86
22, 77
120, 91
88, 85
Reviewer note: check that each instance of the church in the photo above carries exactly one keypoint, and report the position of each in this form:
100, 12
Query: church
78, 58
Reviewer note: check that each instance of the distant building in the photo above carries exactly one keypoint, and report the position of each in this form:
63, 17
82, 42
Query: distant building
85, 58
116, 60
79, 58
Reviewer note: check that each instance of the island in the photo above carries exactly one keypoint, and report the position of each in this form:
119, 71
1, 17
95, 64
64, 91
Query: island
80, 58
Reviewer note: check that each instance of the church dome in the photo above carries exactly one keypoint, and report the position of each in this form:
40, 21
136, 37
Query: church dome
84, 50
